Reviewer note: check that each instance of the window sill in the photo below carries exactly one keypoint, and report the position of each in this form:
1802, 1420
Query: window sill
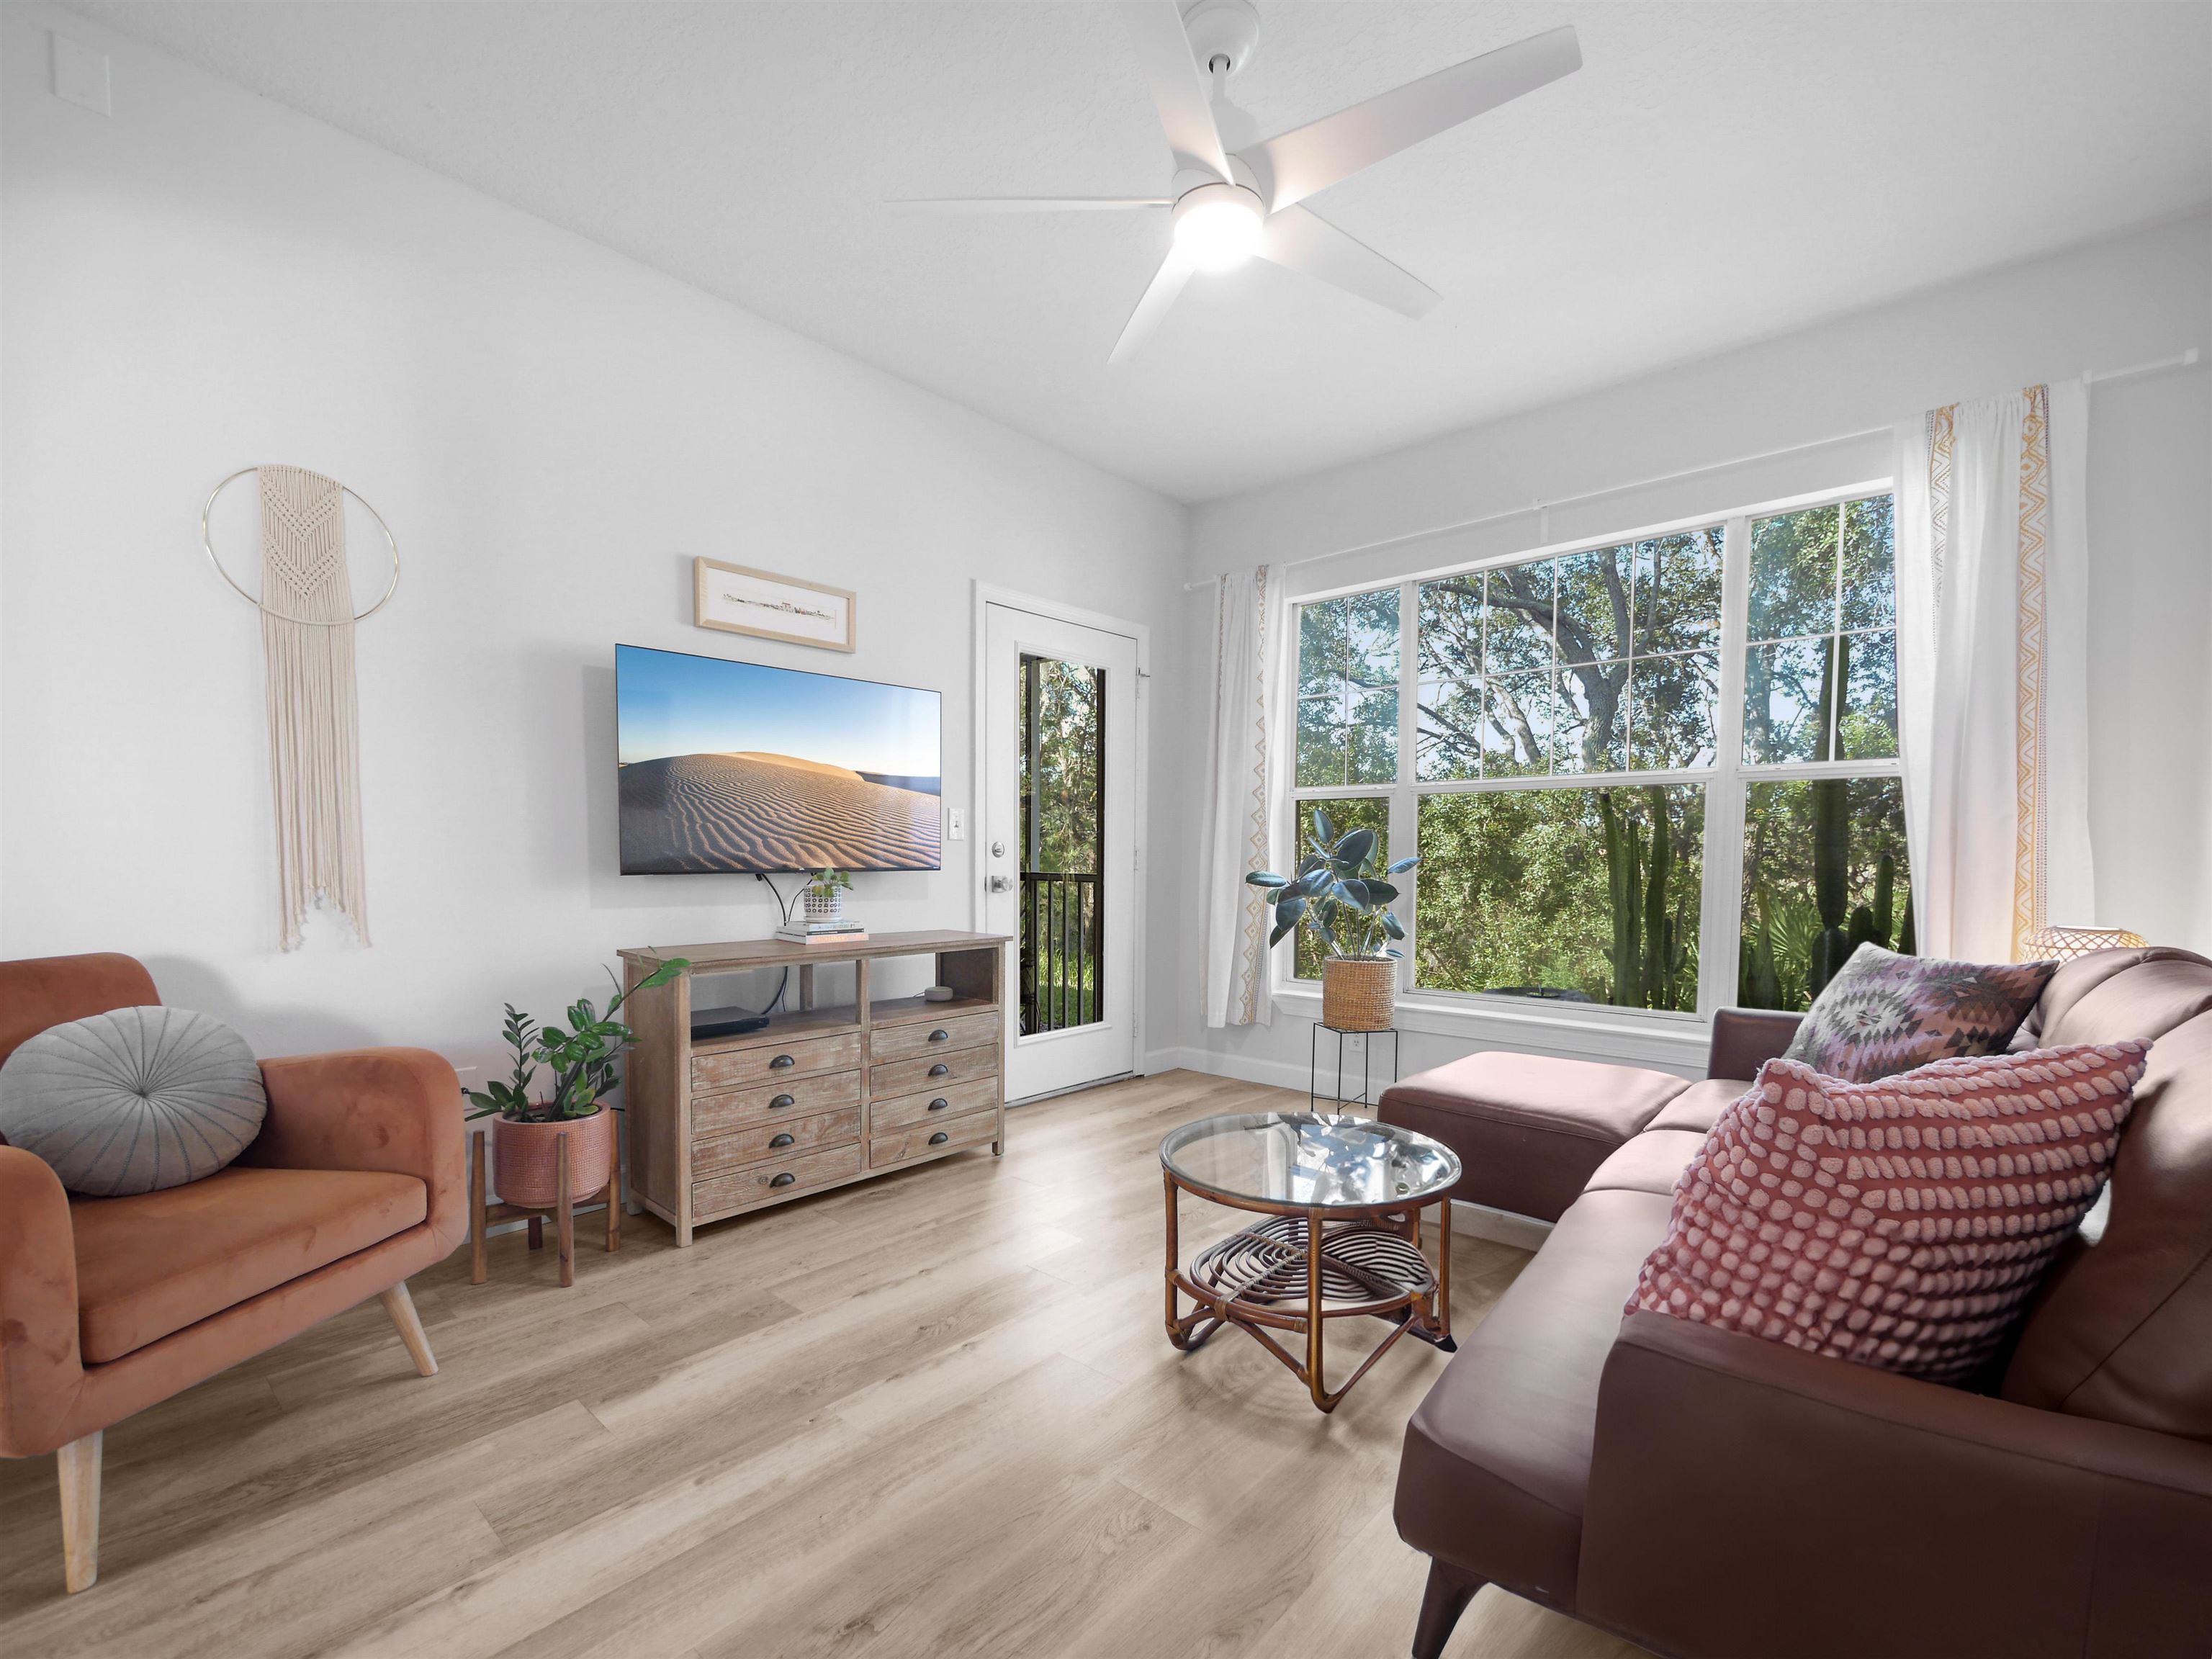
1669, 1042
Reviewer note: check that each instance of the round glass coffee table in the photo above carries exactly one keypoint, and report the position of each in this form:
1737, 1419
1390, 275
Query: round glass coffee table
1356, 1186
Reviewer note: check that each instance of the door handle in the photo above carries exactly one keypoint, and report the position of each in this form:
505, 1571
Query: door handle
940, 1070
1000, 884
784, 1139
783, 1180
939, 1137
940, 1035
782, 1062
938, 1105
781, 1101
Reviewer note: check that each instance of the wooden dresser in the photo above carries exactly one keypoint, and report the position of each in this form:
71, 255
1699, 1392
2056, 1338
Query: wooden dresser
823, 1095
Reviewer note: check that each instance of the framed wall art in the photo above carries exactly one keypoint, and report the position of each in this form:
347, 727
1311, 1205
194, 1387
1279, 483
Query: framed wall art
740, 601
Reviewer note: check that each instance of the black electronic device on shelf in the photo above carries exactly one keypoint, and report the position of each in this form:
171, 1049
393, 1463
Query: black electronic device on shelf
736, 1024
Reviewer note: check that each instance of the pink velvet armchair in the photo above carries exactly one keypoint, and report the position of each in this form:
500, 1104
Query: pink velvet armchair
108, 1306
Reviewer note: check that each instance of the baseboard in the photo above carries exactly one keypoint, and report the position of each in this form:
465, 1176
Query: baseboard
1523, 1232
1274, 1073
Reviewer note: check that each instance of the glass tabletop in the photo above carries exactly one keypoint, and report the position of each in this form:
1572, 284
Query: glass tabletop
1321, 1162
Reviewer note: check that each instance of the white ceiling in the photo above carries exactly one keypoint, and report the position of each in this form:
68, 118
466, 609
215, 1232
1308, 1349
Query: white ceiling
1714, 173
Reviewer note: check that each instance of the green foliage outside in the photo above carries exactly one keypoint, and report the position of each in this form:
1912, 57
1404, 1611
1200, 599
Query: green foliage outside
1517, 894
1607, 661
1062, 749
1824, 869
1348, 691
1063, 752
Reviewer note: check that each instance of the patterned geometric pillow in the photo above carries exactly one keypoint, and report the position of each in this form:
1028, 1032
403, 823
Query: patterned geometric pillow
1883, 1013
1902, 1224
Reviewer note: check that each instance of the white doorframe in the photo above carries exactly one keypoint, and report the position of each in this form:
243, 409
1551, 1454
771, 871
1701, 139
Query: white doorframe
987, 593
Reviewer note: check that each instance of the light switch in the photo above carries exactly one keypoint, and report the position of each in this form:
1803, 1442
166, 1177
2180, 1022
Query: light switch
80, 75
956, 823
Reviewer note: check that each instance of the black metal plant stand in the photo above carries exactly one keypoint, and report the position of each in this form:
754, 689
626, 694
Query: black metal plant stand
1366, 1055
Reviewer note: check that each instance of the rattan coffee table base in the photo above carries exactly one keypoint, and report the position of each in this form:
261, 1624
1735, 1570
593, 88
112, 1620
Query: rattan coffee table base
1262, 1277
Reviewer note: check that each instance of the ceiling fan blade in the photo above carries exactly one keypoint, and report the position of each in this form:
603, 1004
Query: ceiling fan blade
1293, 165
1028, 203
1167, 281
1179, 88
1299, 238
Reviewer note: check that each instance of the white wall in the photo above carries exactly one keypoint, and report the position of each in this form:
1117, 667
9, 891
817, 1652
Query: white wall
205, 280
2121, 301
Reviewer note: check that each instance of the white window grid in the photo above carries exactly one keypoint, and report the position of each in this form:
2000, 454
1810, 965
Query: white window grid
1726, 781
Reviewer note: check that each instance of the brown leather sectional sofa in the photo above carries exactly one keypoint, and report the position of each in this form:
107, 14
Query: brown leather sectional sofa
1707, 1493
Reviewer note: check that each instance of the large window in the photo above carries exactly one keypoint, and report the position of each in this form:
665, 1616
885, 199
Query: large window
1658, 774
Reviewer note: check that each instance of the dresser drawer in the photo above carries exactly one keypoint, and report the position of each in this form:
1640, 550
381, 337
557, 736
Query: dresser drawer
905, 1040
764, 1183
769, 1062
774, 1103
932, 1072
924, 1140
954, 1100
773, 1140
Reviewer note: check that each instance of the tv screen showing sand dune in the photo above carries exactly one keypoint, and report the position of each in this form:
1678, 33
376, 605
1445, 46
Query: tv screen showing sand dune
731, 766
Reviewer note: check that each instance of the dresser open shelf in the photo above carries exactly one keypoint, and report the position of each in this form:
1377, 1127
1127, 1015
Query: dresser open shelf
822, 1097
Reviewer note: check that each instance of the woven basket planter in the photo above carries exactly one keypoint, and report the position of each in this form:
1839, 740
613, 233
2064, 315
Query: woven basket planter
525, 1170
1358, 993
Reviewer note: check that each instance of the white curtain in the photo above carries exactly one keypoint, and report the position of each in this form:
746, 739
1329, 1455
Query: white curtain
1239, 776
1993, 696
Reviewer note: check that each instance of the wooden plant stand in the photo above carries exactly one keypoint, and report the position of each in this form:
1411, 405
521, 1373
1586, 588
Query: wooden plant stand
562, 1211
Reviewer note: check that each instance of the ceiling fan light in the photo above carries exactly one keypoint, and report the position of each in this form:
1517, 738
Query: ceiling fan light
1218, 226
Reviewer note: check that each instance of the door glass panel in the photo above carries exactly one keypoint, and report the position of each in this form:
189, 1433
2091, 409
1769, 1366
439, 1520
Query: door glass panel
1063, 816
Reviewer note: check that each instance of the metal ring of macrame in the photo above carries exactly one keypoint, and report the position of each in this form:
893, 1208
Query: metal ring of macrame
207, 546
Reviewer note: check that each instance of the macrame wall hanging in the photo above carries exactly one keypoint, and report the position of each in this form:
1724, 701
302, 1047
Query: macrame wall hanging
314, 729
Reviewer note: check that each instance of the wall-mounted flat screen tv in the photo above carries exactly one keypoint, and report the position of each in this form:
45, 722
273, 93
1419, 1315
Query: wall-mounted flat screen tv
731, 766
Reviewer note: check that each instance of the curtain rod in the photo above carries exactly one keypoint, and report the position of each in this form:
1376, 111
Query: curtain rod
2090, 377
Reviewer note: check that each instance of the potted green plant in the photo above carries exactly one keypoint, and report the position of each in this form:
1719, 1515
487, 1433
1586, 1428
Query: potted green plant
1343, 894
581, 1058
825, 895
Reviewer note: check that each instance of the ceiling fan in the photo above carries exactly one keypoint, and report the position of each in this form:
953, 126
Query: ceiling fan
1235, 196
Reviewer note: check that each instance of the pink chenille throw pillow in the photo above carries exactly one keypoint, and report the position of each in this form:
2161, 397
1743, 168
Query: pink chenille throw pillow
1903, 1223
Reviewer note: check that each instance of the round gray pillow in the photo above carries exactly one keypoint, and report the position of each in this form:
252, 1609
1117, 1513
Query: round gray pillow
133, 1100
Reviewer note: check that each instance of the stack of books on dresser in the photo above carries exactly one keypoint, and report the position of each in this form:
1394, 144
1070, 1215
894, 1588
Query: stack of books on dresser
837, 931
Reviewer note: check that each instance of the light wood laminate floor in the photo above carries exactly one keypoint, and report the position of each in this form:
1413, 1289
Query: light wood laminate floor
930, 1414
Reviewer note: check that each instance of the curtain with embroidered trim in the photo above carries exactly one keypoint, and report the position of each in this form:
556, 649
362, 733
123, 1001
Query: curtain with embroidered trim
1993, 696
1240, 765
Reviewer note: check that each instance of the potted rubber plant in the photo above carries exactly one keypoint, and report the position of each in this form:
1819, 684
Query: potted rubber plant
1342, 892
580, 1056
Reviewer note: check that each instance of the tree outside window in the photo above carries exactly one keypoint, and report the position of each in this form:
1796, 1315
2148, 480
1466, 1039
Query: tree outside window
1579, 724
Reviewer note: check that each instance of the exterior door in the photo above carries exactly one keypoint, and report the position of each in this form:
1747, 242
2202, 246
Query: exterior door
1060, 856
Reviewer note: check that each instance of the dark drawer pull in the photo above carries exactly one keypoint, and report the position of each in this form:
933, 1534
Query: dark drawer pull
782, 1101
940, 1138
783, 1180
940, 1035
940, 1070
940, 1104
781, 1062
784, 1139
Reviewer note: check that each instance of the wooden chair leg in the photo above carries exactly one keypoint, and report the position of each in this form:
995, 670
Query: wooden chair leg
1449, 1592
79, 1464
537, 1232
479, 1266
401, 1307
564, 1210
